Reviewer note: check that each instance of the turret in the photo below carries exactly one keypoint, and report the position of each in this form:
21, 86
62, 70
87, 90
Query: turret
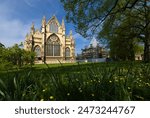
32, 30
43, 38
63, 27
27, 35
43, 24
63, 24
70, 34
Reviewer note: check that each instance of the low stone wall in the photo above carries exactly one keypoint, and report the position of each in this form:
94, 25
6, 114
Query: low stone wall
93, 60
55, 61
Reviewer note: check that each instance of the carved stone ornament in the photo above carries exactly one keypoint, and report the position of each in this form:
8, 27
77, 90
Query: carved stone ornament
54, 38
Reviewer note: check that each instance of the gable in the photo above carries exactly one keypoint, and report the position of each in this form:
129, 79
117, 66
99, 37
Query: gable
53, 19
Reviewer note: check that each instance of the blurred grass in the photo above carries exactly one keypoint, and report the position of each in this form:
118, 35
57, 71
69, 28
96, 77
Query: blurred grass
85, 81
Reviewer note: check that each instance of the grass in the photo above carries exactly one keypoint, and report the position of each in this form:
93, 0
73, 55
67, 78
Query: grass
53, 65
91, 81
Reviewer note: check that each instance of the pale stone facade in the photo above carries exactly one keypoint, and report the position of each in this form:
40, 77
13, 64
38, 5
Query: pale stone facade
93, 51
51, 43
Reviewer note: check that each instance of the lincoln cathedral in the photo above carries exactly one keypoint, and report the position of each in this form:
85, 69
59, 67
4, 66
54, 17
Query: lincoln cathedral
51, 44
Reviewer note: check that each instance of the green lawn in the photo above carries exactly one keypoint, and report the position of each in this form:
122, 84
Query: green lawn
86, 81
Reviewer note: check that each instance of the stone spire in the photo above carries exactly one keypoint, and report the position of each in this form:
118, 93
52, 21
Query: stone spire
43, 28
44, 21
63, 27
27, 35
63, 24
32, 31
70, 33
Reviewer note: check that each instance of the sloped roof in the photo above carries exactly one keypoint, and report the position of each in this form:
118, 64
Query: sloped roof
53, 19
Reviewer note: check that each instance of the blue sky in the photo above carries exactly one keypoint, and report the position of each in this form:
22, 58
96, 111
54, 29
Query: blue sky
16, 17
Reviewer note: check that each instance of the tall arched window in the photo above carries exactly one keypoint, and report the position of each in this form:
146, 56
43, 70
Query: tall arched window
49, 48
53, 46
56, 49
37, 50
67, 50
53, 27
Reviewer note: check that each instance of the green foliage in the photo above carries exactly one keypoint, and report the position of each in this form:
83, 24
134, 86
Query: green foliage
1, 45
99, 81
139, 49
124, 21
88, 15
117, 31
123, 32
15, 56
4, 63
28, 57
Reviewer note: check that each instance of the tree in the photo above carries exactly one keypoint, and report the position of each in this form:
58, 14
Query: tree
1, 45
88, 16
118, 30
15, 56
28, 57
135, 23
4, 63
19, 56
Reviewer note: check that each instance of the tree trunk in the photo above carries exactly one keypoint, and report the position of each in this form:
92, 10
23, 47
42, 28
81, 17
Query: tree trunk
132, 53
147, 47
147, 35
146, 51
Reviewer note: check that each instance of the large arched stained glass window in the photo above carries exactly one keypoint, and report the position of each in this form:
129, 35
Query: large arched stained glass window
37, 50
49, 48
67, 50
56, 49
53, 46
53, 27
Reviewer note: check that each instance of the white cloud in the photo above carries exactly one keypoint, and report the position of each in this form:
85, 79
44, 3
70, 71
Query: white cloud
11, 30
77, 36
28, 3
31, 3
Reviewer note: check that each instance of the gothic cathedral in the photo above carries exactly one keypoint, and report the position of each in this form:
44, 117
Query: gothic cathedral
51, 44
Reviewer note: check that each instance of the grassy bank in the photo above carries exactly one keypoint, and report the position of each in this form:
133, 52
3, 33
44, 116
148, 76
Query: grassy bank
98, 81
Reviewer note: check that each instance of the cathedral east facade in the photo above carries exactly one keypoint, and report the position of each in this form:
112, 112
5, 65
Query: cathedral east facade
51, 44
